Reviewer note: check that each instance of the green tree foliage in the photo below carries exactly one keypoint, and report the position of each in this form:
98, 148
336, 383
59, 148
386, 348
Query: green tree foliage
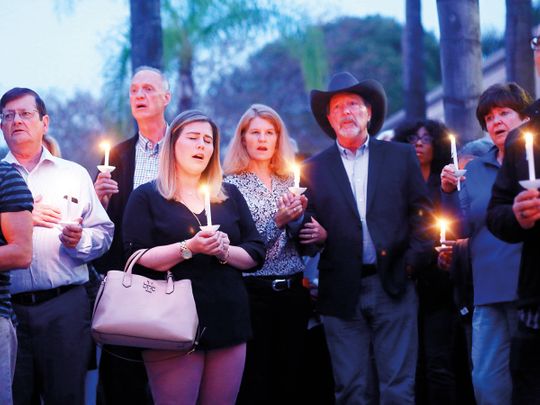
368, 47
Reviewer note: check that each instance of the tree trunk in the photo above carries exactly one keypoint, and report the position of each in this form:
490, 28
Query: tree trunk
186, 85
461, 65
519, 56
146, 34
414, 78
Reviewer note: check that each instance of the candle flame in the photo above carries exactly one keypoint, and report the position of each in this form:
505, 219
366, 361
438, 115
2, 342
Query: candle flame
105, 145
528, 137
451, 137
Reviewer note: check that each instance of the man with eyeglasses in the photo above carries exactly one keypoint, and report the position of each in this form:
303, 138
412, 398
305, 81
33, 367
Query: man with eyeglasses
513, 216
136, 162
70, 228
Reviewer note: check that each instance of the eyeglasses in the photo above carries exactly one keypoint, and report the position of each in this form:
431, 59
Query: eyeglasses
25, 115
535, 43
425, 139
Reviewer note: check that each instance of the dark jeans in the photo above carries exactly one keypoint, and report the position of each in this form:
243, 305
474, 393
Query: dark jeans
436, 382
274, 355
525, 366
54, 349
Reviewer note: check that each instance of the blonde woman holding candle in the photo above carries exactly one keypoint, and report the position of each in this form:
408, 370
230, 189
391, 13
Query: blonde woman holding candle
165, 215
258, 162
495, 264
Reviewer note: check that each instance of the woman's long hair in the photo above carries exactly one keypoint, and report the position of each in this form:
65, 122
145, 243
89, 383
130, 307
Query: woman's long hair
167, 181
237, 159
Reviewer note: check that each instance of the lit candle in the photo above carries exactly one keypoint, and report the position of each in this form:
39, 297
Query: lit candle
206, 192
443, 224
296, 173
453, 152
107, 147
530, 155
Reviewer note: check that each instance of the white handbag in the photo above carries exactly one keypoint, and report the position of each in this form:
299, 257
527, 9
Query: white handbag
132, 310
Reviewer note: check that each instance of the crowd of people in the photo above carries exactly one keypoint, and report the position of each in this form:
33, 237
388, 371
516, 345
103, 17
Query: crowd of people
394, 311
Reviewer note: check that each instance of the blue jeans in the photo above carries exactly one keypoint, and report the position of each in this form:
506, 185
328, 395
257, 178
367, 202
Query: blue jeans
8, 355
493, 327
387, 325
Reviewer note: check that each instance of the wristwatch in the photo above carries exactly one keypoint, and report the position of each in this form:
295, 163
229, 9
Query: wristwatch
184, 251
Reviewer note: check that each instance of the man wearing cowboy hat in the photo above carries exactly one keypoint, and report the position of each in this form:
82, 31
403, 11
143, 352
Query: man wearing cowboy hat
371, 198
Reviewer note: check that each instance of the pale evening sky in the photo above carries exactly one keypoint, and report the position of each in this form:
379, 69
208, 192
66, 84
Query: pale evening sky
47, 49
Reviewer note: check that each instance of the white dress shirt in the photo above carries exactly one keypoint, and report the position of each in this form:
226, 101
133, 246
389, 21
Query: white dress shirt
54, 265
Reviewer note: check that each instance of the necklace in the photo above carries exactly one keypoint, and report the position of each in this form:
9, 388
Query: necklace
192, 213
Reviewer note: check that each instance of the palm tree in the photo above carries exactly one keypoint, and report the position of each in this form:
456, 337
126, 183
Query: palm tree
414, 78
146, 35
190, 27
519, 57
461, 64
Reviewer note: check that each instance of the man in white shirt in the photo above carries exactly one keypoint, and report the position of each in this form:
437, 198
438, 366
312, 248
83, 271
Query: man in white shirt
71, 228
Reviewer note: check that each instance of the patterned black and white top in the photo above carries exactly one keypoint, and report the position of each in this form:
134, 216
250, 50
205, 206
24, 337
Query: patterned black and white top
282, 257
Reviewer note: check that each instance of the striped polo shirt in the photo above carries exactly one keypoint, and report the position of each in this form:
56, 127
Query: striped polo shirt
14, 197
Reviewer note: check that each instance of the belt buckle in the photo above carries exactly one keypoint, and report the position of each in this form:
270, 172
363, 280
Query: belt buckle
277, 284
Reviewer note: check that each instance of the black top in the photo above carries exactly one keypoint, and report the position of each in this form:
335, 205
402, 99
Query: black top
501, 220
222, 303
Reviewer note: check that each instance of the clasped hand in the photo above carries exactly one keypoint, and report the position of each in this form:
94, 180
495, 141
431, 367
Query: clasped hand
212, 243
290, 208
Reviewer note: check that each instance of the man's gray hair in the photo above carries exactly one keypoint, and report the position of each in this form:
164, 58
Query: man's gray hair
164, 79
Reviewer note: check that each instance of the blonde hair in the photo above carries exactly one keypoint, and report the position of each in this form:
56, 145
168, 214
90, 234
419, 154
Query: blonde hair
52, 145
237, 159
167, 181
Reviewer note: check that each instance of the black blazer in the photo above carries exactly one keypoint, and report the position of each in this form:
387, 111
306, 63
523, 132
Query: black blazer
398, 213
122, 156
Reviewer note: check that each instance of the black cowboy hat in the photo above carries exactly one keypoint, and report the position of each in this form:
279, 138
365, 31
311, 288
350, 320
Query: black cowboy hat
370, 90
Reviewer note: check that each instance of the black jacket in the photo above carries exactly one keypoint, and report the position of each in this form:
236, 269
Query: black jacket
501, 219
398, 213
122, 156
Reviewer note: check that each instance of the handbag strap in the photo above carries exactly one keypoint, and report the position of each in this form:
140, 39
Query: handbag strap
128, 269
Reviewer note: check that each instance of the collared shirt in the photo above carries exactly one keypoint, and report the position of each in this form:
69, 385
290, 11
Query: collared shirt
146, 160
282, 258
58, 181
356, 165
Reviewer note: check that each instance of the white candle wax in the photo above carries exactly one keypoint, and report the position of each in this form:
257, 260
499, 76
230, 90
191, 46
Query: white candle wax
206, 192
107, 148
530, 155
443, 231
296, 173
453, 152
